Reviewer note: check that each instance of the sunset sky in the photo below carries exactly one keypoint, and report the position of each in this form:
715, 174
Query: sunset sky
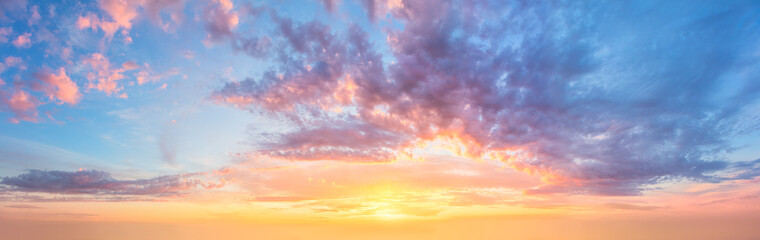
379, 119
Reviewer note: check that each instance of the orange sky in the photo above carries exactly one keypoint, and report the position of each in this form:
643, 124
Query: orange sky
379, 119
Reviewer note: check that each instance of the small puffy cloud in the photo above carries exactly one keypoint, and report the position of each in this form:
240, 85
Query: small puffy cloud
147, 75
153, 9
58, 86
120, 14
23, 41
129, 65
87, 21
105, 77
5, 33
11, 61
329, 5
121, 11
91, 21
221, 19
34, 16
188, 54
379, 8
21, 103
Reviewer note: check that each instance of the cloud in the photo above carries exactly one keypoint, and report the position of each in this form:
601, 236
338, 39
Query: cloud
34, 15
58, 86
604, 102
11, 61
94, 182
255, 47
23, 206
313, 62
154, 8
221, 19
5, 32
146, 75
626, 206
24, 104
122, 13
23, 41
129, 65
93, 22
105, 77
21, 103
380, 8
329, 5
345, 142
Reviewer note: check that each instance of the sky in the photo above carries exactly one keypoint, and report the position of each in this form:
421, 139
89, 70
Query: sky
377, 119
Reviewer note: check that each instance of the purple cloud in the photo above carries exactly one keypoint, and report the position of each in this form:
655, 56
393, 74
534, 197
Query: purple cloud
101, 183
607, 101
23, 206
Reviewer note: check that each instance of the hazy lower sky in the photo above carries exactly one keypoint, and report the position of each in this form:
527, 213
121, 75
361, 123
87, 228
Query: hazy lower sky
379, 119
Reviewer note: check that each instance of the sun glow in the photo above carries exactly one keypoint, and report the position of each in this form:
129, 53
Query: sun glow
450, 144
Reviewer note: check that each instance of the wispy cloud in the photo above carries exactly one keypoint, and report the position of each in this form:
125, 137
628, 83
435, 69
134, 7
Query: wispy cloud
23, 206
94, 182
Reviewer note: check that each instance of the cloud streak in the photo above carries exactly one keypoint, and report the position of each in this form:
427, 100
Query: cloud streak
95, 182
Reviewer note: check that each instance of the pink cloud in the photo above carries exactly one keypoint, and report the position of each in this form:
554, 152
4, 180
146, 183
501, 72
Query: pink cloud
59, 86
23, 41
146, 75
104, 77
93, 22
379, 8
122, 13
329, 5
220, 20
11, 61
129, 65
21, 103
153, 9
35, 15
66, 53
5, 32
88, 21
